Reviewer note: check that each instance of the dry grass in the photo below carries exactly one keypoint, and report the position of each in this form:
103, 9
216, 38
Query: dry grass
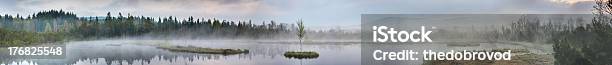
519, 57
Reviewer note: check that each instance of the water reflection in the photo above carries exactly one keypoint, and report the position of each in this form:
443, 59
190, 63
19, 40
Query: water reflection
20, 63
124, 52
157, 60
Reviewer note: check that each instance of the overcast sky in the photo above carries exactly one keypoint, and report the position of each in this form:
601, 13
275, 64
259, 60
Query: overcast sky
317, 14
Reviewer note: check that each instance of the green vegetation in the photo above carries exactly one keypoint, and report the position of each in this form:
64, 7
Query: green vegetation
121, 25
21, 38
301, 54
577, 42
573, 43
61, 25
301, 31
587, 44
35, 29
54, 25
117, 26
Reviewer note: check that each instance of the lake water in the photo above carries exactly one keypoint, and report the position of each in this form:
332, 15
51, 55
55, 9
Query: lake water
124, 52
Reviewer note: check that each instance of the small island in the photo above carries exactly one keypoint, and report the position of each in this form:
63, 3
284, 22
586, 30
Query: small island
301, 54
194, 49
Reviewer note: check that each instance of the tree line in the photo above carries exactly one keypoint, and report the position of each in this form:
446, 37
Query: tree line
122, 25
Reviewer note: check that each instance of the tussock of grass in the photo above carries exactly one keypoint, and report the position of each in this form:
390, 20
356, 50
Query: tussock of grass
301, 55
193, 49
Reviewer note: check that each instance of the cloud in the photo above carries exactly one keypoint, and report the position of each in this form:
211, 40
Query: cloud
208, 7
571, 2
319, 12
65, 4
154, 7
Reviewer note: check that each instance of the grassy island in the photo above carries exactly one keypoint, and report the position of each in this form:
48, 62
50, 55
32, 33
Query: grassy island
301, 55
193, 49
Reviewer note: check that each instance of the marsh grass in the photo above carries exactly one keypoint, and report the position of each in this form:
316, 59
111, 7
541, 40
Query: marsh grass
193, 49
301, 54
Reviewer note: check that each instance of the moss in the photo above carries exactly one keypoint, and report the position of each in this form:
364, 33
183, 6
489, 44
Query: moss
301, 55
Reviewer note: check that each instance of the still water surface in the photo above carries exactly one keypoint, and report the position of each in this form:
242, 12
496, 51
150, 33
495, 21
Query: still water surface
126, 52
132, 52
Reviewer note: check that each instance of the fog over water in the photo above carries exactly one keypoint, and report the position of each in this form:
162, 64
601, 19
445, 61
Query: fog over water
102, 52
